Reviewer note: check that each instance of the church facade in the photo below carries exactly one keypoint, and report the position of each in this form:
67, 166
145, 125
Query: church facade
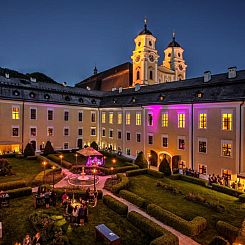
196, 123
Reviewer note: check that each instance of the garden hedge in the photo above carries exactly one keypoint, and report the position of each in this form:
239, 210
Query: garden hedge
12, 185
152, 229
20, 192
119, 157
155, 173
242, 198
218, 240
136, 172
226, 190
227, 231
115, 205
55, 158
194, 180
189, 228
133, 198
123, 184
175, 176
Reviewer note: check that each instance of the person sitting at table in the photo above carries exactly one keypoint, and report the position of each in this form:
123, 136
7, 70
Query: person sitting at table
47, 198
27, 240
81, 215
69, 210
85, 210
37, 239
64, 198
53, 197
75, 215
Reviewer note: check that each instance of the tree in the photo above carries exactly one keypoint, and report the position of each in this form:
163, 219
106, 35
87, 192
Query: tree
165, 167
29, 150
94, 145
48, 149
141, 160
5, 168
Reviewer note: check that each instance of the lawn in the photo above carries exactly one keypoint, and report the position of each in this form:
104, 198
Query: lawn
145, 186
23, 169
16, 224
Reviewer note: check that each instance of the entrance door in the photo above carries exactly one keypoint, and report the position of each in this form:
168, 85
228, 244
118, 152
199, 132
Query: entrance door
34, 144
175, 163
153, 158
80, 143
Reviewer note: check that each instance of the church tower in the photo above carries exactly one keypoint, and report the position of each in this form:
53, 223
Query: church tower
145, 58
174, 59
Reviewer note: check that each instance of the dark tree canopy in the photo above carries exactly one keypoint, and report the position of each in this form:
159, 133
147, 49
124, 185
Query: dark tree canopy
165, 167
48, 149
94, 145
29, 150
141, 160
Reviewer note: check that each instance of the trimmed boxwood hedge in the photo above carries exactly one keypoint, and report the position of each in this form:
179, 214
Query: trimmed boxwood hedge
55, 158
227, 231
123, 184
152, 229
175, 176
189, 228
12, 185
136, 172
226, 190
133, 198
20, 192
121, 157
115, 205
242, 198
194, 180
155, 173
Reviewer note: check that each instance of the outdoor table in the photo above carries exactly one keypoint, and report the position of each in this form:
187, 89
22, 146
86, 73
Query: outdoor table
103, 232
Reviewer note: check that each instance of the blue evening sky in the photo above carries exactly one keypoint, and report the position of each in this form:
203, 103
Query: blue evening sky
66, 38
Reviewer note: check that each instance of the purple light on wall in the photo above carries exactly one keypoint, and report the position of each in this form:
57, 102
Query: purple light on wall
156, 113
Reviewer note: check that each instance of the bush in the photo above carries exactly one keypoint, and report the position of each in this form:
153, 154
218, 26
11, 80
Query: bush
115, 205
5, 167
227, 230
20, 192
169, 187
155, 173
48, 149
29, 151
226, 190
218, 240
175, 176
12, 185
242, 198
189, 228
155, 231
56, 159
164, 167
133, 198
123, 184
94, 145
108, 171
141, 160
194, 180
136, 172
116, 155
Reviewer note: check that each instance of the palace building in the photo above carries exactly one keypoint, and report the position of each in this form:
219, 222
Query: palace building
196, 123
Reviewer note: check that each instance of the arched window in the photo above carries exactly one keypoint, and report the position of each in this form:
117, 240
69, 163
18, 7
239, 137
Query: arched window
180, 77
138, 75
151, 75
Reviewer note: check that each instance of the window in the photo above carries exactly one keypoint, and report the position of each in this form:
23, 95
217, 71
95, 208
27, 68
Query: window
150, 119
226, 148
33, 132
226, 173
165, 120
66, 146
80, 116
138, 75
50, 131
128, 136
151, 75
127, 118
15, 112
66, 131
181, 143
111, 117
181, 120
80, 131
128, 152
15, 131
227, 121
93, 131
202, 120
66, 115
138, 118
110, 133
50, 115
202, 169
119, 134
150, 139
33, 113
202, 145
165, 141
103, 132
138, 137
103, 117
182, 164
119, 118
93, 119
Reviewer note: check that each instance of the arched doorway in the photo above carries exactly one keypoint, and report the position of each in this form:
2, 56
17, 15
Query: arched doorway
166, 155
153, 158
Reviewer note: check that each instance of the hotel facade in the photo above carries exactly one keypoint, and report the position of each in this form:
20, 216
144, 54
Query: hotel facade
196, 123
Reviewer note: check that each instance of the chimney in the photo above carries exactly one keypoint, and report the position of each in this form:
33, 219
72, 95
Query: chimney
207, 76
120, 90
7, 75
33, 79
232, 72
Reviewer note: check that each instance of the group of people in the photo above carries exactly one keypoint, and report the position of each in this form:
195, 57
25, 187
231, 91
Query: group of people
36, 240
4, 199
190, 172
45, 197
216, 179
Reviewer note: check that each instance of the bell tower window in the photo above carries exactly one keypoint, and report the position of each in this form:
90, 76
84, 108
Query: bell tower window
151, 75
138, 75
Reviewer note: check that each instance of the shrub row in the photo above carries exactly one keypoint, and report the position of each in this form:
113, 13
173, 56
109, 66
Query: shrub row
175, 176
155, 173
108, 171
123, 184
227, 230
12, 185
226, 190
133, 198
136, 172
242, 198
119, 157
194, 180
20, 192
56, 159
189, 228
218, 240
152, 229
169, 187
115, 205
50, 164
